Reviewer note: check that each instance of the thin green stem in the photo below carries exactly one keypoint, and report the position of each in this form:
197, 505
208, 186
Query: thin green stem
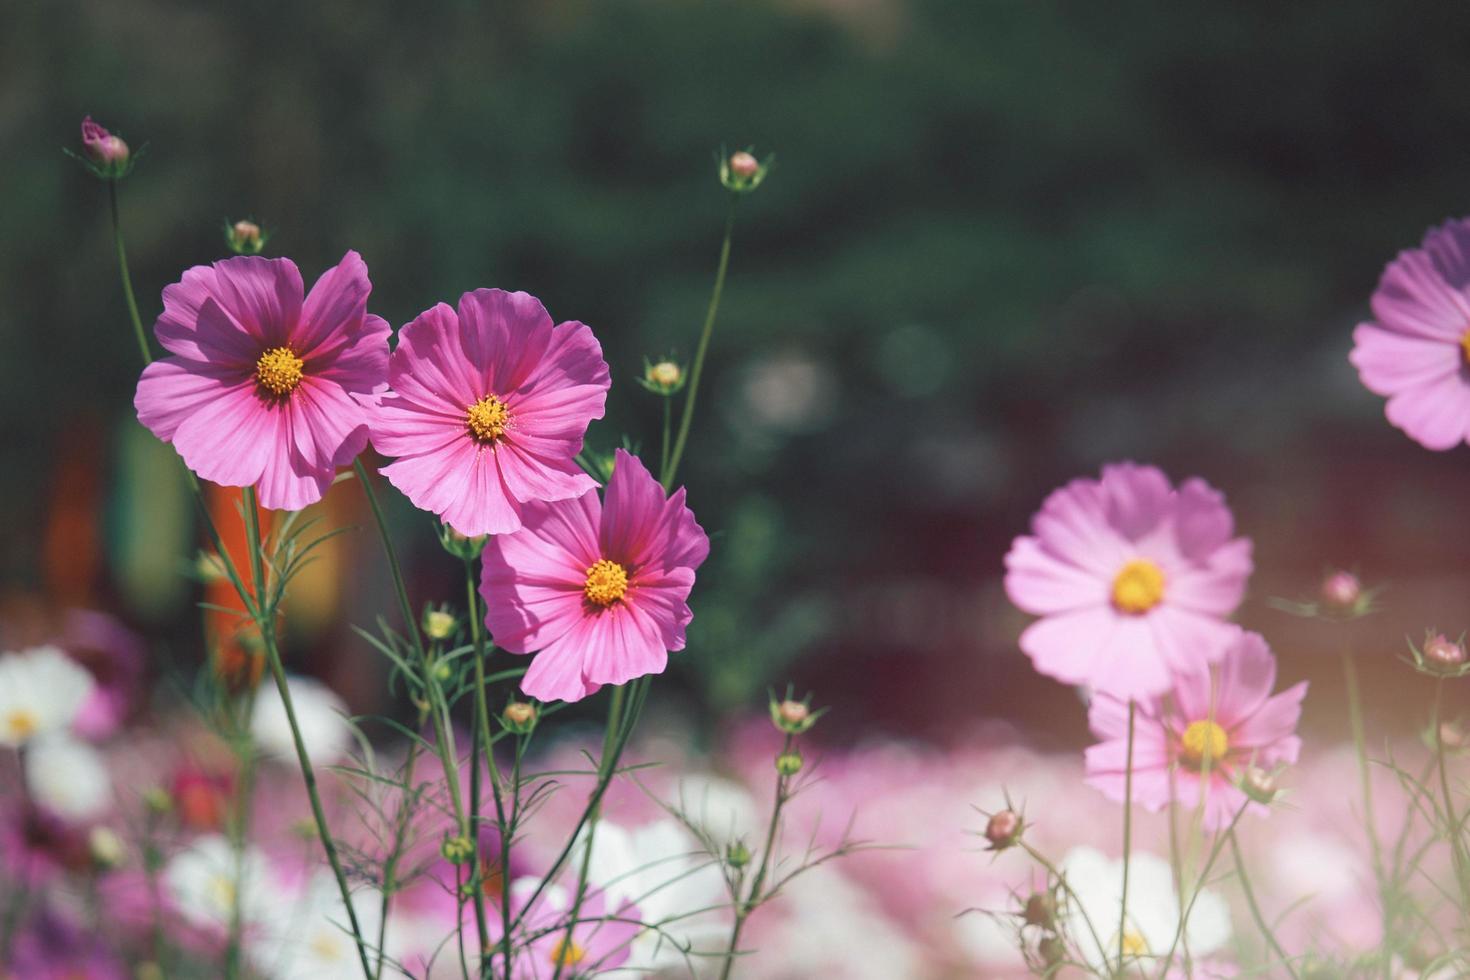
127, 279
696, 370
1365, 777
485, 742
395, 852
1204, 876
1451, 816
1255, 908
1061, 880
663, 456
747, 904
1127, 838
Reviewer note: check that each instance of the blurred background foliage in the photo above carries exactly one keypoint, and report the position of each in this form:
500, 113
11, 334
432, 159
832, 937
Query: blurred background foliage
1003, 242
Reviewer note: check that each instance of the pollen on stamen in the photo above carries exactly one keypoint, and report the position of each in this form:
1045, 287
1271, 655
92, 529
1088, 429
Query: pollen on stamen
278, 371
607, 581
1203, 740
487, 419
567, 953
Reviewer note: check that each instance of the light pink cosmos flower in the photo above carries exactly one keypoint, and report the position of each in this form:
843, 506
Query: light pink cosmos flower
488, 409
599, 587
263, 388
1133, 580
1214, 723
1416, 350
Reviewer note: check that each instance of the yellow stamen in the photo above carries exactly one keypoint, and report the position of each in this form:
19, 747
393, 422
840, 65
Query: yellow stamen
222, 892
487, 419
567, 953
21, 724
1203, 740
606, 582
1138, 587
279, 371
1465, 346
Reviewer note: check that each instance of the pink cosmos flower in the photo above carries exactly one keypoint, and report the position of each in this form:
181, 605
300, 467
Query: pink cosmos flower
488, 409
1133, 579
263, 388
1215, 723
600, 939
599, 587
1416, 350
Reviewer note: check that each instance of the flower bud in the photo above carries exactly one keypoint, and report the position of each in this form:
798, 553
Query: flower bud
792, 716
442, 671
245, 237
789, 763
1342, 592
1003, 830
439, 624
1040, 910
106, 848
519, 717
466, 549
664, 376
1259, 784
1442, 653
742, 172
457, 850
1051, 950
737, 855
108, 153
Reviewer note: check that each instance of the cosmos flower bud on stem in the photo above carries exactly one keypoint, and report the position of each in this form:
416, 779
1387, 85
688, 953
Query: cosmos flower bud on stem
742, 172
245, 237
664, 376
789, 763
792, 716
457, 850
1003, 830
1040, 910
439, 624
108, 154
1259, 784
1342, 592
1442, 653
737, 855
1051, 950
519, 717
459, 545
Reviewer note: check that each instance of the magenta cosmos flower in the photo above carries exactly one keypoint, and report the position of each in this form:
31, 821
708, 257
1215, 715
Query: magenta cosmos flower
599, 587
263, 388
1132, 580
488, 409
1416, 351
1201, 737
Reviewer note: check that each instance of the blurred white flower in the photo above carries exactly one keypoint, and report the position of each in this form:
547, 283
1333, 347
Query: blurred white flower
207, 879
68, 778
309, 937
321, 714
41, 691
721, 808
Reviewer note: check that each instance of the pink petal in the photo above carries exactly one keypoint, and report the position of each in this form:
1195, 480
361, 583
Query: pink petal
181, 303
1413, 298
1273, 722
504, 335
623, 644
224, 342
1041, 583
1111, 653
1436, 415
359, 361
289, 482
556, 672
664, 601
335, 307
1188, 640
404, 428
1136, 498
1389, 362
1203, 524
631, 512
531, 477
429, 366
459, 483
324, 419
1072, 522
572, 368
173, 389
229, 439
262, 295
1245, 677
1215, 588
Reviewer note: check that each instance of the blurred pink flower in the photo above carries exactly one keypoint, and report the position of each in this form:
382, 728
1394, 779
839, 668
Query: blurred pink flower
600, 588
263, 388
115, 657
103, 148
1133, 580
488, 409
1215, 723
601, 939
1415, 350
52, 948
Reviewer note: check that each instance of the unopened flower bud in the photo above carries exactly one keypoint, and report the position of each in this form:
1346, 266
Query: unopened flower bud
742, 172
106, 848
1341, 591
789, 763
737, 855
1040, 910
793, 712
519, 717
1051, 950
744, 165
662, 377
442, 671
458, 850
245, 237
108, 153
793, 717
439, 624
466, 549
157, 800
1259, 784
1003, 829
1443, 654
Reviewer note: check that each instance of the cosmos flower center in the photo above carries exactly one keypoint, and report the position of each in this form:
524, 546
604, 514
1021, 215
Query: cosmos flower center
278, 371
606, 582
327, 946
1138, 587
487, 419
221, 892
1465, 346
21, 724
1203, 740
566, 953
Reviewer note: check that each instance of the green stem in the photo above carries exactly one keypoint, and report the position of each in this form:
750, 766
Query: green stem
239, 833
1452, 820
127, 280
395, 853
1061, 879
696, 371
266, 621
663, 456
1204, 876
485, 742
1127, 838
1365, 777
751, 901
1250, 901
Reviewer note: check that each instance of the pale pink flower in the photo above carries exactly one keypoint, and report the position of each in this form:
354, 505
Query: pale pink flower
264, 388
1133, 580
599, 587
488, 409
1415, 350
1214, 724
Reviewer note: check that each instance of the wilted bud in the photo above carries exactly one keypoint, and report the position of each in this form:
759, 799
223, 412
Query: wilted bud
1003, 829
1442, 654
737, 855
466, 549
519, 717
439, 624
789, 763
1342, 592
742, 172
1259, 784
245, 237
662, 377
1040, 910
107, 153
106, 848
458, 850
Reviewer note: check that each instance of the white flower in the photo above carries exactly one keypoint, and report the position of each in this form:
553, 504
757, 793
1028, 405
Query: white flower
320, 713
309, 937
1153, 910
721, 809
41, 691
208, 878
67, 778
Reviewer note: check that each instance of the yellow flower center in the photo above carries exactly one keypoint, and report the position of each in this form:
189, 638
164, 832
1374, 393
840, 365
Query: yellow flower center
328, 946
1138, 587
1203, 740
1134, 944
21, 724
567, 953
1465, 346
222, 892
487, 419
606, 582
279, 371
